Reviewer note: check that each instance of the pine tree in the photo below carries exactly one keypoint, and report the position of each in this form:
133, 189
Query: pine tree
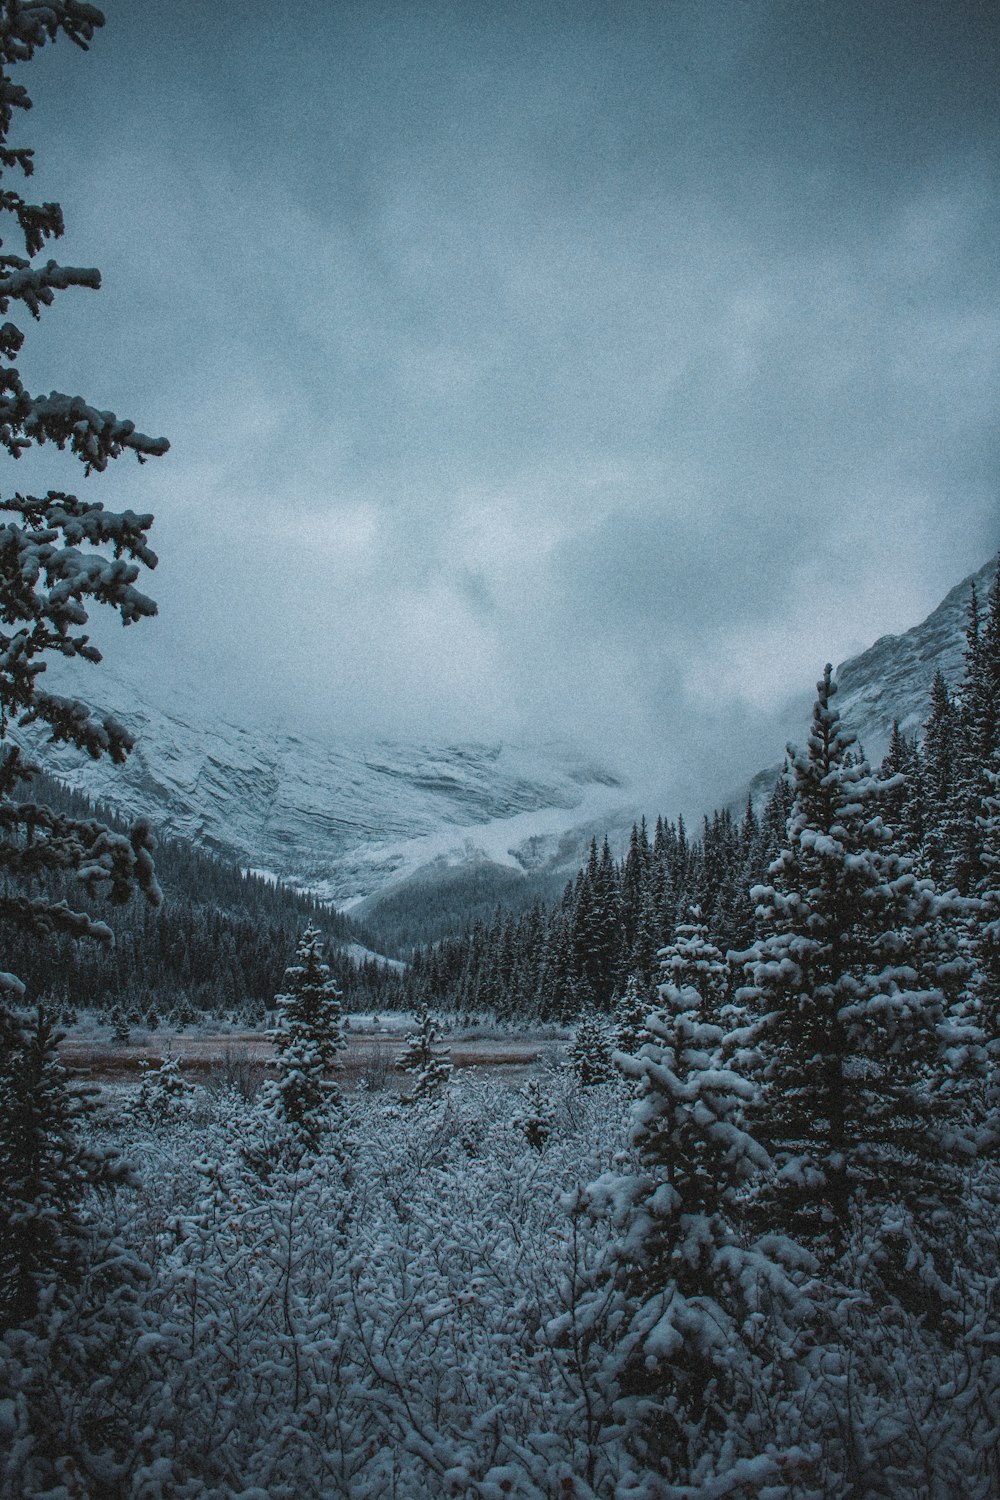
596, 935
426, 1059
558, 994
987, 944
535, 1115
308, 1037
975, 743
164, 1093
121, 1031
939, 777
53, 553
642, 958
45, 1169
635, 881
693, 959
682, 1362
590, 1052
981, 713
58, 555
850, 980
902, 802
630, 1016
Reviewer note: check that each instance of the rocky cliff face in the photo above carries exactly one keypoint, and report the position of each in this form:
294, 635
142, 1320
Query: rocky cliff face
892, 679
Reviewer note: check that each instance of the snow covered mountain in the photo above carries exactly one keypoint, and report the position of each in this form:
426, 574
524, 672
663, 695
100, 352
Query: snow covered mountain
892, 679
338, 817
351, 820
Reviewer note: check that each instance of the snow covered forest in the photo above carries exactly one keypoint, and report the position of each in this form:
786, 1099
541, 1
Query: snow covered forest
742, 1242
745, 1244
213, 950
613, 921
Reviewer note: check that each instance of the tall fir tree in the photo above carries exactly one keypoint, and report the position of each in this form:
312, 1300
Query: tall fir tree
850, 980
901, 802
987, 946
684, 1368
308, 1038
939, 774
976, 742
59, 555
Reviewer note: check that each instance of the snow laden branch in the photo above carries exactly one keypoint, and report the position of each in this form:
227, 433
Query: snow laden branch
36, 286
51, 563
59, 555
37, 223
35, 841
95, 437
29, 24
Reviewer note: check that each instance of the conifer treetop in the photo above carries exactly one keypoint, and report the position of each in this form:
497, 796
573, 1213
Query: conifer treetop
851, 979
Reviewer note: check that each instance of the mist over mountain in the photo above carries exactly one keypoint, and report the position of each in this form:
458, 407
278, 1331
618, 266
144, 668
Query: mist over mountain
379, 824
339, 817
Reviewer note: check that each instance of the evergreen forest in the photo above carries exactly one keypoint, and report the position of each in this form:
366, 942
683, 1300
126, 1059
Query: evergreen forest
213, 950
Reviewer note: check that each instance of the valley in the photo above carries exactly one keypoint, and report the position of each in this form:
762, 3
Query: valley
486, 1013
417, 841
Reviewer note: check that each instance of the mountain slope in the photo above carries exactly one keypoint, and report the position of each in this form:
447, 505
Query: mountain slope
341, 818
892, 679
352, 821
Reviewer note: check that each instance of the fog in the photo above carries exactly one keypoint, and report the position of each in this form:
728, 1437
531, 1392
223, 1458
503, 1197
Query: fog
584, 369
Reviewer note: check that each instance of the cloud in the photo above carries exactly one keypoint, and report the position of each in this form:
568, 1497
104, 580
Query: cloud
565, 369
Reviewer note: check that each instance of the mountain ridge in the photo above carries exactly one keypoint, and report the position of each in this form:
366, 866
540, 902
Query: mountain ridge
351, 820
341, 818
892, 678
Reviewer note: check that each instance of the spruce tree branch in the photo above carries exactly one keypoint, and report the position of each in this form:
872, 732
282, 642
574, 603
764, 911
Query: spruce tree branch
36, 286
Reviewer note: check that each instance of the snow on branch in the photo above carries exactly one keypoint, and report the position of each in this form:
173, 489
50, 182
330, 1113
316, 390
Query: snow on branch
72, 723
36, 286
94, 436
47, 918
31, 23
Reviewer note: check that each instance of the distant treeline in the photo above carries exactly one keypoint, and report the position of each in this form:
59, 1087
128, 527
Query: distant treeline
557, 961
219, 943
439, 903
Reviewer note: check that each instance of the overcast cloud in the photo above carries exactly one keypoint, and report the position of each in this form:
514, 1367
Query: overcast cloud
598, 369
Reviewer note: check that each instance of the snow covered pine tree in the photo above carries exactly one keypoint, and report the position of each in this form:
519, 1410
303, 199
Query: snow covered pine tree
851, 980
687, 1279
589, 1056
426, 1058
307, 1038
629, 1022
57, 553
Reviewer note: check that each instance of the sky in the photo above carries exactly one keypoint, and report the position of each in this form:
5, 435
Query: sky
562, 368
